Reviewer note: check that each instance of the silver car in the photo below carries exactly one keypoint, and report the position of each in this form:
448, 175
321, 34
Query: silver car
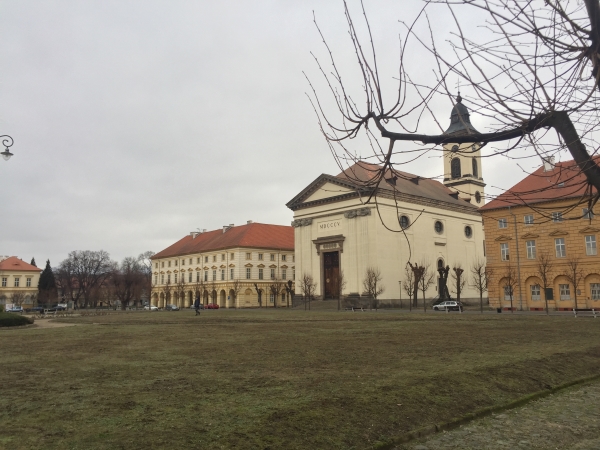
448, 305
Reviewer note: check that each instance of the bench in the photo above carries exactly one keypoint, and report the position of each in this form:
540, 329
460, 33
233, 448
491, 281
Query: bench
354, 308
584, 312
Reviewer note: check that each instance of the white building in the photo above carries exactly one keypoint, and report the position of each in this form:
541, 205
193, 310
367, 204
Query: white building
436, 224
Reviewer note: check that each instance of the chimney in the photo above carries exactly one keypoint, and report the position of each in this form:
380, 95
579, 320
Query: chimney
204, 230
193, 234
227, 227
249, 222
548, 163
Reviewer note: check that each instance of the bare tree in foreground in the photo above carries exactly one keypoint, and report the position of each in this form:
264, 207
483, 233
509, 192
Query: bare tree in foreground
372, 284
510, 282
236, 287
276, 287
533, 68
481, 276
458, 280
575, 275
545, 267
308, 287
409, 283
426, 281
418, 272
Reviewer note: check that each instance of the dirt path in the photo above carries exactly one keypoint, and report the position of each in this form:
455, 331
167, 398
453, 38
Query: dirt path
569, 419
48, 323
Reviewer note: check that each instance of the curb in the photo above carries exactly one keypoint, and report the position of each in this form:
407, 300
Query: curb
455, 423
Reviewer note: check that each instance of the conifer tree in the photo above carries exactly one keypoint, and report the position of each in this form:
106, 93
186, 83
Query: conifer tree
47, 285
33, 262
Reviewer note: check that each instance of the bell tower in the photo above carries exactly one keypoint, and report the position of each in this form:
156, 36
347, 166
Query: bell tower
462, 162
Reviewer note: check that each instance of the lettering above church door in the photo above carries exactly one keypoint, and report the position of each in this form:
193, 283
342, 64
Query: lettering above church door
330, 226
455, 168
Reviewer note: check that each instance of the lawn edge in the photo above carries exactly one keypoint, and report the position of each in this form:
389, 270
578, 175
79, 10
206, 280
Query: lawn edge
455, 423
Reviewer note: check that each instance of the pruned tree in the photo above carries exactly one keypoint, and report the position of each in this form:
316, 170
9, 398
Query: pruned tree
458, 280
418, 272
17, 298
199, 288
545, 268
426, 281
259, 292
341, 286
408, 285
308, 287
481, 275
575, 274
276, 286
180, 287
372, 284
167, 289
236, 287
510, 282
532, 68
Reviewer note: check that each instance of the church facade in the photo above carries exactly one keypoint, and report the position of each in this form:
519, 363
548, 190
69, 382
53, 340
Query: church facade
337, 233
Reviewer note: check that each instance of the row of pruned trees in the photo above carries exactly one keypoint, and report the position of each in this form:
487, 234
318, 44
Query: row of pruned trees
89, 278
546, 271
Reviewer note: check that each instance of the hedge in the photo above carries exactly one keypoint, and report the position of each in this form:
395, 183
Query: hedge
13, 320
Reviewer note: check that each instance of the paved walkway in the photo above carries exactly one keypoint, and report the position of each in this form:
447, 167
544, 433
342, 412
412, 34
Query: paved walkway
569, 420
49, 323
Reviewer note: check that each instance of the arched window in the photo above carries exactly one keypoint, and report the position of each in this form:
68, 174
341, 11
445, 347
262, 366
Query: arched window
475, 171
455, 168
440, 263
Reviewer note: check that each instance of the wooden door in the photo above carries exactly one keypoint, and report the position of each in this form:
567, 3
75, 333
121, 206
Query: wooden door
331, 265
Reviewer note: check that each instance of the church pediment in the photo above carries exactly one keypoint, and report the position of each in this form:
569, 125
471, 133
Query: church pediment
206, 267
231, 265
261, 266
559, 233
214, 267
198, 268
503, 237
284, 267
589, 230
248, 265
223, 266
324, 188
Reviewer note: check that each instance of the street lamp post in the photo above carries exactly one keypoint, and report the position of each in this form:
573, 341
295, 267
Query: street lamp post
7, 141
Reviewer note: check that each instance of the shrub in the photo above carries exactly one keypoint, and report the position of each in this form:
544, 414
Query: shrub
13, 320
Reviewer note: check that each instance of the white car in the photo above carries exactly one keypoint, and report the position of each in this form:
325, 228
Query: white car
447, 306
151, 308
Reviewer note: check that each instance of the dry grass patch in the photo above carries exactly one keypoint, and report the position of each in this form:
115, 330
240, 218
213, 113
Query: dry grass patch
273, 379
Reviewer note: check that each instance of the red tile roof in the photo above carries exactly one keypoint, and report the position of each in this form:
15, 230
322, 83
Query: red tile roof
252, 235
564, 181
16, 264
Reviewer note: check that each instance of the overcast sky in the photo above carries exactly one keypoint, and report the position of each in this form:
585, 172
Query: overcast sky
136, 122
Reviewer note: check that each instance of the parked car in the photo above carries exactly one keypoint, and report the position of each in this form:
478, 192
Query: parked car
151, 308
212, 306
171, 308
448, 306
15, 309
35, 309
193, 307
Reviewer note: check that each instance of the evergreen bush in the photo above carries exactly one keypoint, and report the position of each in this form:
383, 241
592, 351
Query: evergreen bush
14, 320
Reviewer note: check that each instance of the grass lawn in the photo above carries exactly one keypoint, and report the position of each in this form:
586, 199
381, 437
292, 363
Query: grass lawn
273, 379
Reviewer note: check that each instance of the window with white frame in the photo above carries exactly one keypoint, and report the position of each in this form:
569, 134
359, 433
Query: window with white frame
162, 264
156, 265
557, 217
248, 273
198, 260
561, 250
283, 274
272, 274
530, 246
175, 278
565, 291
260, 256
169, 278
206, 275
16, 282
260, 274
198, 277
169, 263
504, 252
248, 255
284, 257
502, 223
282, 298
231, 273
535, 292
595, 291
190, 277
272, 256
155, 279
175, 262
214, 258
223, 257
590, 245
206, 259
507, 292
162, 279
182, 262
222, 274
271, 298
28, 282
528, 219
4, 281
191, 261
214, 275
587, 213
231, 257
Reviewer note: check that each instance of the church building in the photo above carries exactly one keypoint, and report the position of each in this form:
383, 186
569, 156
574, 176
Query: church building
437, 224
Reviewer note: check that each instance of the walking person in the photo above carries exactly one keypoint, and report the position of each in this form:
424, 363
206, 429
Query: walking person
197, 305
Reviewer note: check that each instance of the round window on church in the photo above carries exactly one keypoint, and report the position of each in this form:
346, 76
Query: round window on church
439, 227
477, 197
468, 232
404, 222
455, 148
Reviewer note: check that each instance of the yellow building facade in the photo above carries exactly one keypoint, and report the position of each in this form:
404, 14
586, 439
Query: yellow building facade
18, 282
543, 226
227, 267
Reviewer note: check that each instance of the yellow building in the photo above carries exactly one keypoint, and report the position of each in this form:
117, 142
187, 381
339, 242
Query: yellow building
18, 282
542, 226
215, 264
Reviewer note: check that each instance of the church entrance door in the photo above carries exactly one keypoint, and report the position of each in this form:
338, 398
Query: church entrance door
331, 264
